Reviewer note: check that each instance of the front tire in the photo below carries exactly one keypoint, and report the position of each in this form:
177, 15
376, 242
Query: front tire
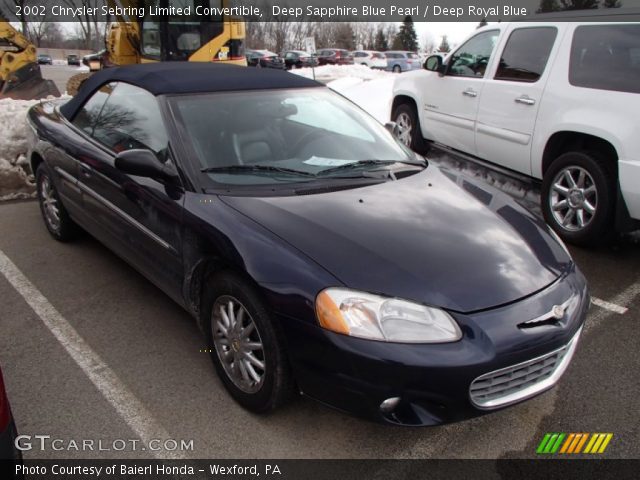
397, 69
246, 345
55, 216
578, 198
406, 117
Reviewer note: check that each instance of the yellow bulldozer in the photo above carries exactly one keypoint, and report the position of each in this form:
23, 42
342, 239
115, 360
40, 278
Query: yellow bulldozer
143, 31
20, 76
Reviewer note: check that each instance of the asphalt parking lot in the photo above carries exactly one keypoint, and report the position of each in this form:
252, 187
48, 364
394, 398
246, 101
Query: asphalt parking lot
60, 74
91, 350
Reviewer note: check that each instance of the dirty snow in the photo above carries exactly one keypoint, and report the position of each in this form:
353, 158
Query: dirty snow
15, 182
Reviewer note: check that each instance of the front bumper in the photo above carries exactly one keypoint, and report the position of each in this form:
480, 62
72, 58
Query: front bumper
432, 382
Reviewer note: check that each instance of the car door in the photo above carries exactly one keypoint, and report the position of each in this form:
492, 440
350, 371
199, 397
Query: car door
451, 103
69, 147
511, 98
140, 217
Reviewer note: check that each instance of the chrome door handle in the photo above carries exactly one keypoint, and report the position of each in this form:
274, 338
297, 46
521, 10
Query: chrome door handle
470, 92
526, 100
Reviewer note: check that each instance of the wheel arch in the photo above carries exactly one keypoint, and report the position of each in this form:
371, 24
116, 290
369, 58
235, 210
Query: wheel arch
35, 161
567, 140
199, 275
401, 99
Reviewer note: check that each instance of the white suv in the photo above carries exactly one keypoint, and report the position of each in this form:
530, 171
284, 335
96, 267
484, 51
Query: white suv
557, 101
370, 58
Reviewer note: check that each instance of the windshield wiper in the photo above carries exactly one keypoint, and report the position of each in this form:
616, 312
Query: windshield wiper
255, 168
365, 163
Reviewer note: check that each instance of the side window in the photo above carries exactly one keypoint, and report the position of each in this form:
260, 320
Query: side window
86, 118
525, 56
131, 119
472, 58
606, 57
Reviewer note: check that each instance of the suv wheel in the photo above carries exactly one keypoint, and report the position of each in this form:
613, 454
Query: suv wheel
406, 117
397, 69
246, 345
578, 194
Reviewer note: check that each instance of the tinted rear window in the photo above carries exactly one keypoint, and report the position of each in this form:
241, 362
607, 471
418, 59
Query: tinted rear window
606, 57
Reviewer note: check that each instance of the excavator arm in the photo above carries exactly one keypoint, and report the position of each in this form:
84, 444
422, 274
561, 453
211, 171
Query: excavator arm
20, 76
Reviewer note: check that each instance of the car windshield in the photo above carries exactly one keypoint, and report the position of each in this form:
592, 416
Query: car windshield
285, 136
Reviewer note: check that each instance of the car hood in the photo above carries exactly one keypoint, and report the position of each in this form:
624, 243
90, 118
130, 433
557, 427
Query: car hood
435, 237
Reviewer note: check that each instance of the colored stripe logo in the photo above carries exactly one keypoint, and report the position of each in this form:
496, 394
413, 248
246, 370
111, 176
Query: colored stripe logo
569, 443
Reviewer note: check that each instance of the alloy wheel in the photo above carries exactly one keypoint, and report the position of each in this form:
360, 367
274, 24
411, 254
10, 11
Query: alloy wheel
405, 125
50, 203
573, 198
238, 344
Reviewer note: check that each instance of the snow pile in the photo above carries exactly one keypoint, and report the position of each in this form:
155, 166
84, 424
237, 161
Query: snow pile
15, 182
373, 96
331, 72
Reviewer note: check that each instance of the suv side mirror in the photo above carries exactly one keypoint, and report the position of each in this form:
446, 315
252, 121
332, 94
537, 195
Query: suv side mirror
434, 64
144, 163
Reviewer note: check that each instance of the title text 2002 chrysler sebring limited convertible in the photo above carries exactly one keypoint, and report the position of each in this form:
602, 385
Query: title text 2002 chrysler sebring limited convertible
318, 254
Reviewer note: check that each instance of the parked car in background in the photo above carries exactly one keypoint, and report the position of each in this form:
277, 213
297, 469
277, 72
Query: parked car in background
73, 59
45, 59
370, 58
334, 56
8, 450
258, 220
264, 59
402, 61
298, 59
555, 100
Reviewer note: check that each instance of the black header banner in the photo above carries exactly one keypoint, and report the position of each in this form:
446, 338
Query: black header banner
294, 10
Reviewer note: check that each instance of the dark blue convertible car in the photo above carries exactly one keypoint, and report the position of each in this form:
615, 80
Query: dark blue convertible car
316, 252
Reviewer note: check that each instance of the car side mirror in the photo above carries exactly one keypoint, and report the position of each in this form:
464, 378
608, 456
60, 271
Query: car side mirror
144, 163
434, 64
393, 128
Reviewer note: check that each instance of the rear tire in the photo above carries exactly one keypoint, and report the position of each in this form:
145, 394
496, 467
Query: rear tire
578, 198
55, 216
246, 345
406, 116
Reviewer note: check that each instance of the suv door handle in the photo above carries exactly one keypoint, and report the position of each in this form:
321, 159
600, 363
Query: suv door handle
470, 92
526, 100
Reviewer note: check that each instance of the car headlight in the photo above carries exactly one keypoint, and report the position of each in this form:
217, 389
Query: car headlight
374, 317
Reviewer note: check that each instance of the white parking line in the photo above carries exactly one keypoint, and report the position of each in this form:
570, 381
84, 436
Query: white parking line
132, 411
612, 307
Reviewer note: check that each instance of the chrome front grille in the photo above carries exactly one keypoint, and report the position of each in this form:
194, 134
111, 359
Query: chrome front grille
517, 382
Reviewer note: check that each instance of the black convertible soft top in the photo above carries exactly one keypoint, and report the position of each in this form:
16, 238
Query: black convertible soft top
187, 77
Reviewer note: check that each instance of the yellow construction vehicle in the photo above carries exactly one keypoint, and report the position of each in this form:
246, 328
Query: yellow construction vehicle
143, 31
140, 35
20, 76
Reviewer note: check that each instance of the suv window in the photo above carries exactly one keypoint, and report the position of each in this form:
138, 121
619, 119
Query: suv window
472, 58
525, 56
606, 57
121, 127
86, 118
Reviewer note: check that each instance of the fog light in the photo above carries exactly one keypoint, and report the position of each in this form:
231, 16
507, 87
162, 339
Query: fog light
389, 404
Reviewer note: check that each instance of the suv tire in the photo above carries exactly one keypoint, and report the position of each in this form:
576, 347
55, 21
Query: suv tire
578, 197
406, 117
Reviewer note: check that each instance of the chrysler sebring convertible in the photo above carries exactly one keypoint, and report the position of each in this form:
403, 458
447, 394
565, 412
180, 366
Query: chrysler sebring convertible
317, 254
